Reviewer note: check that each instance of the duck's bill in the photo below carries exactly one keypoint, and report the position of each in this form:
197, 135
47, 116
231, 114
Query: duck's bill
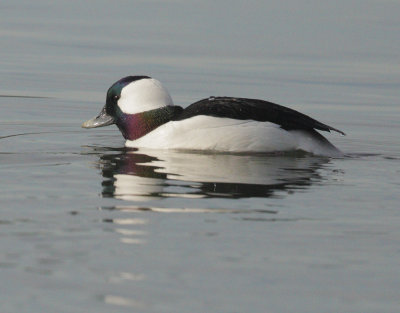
103, 119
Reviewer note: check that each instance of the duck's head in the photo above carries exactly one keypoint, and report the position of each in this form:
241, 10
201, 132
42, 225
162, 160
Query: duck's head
127, 98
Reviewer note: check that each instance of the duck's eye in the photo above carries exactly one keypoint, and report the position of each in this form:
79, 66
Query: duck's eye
116, 97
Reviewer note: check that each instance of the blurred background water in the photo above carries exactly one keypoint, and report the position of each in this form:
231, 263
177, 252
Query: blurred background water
87, 226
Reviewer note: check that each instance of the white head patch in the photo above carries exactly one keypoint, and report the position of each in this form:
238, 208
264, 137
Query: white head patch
143, 95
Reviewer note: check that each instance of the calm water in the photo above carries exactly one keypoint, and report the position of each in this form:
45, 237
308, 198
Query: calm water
87, 226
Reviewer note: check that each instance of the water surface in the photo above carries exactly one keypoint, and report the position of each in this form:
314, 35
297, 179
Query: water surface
89, 226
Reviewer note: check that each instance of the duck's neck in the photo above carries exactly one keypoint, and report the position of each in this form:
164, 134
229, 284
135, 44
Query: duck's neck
134, 126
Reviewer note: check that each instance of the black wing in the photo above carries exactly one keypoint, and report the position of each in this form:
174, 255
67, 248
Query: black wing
253, 109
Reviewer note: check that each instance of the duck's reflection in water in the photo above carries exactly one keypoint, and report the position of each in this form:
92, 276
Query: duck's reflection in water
143, 175
149, 174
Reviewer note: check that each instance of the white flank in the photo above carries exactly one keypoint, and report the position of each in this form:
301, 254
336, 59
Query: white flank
230, 135
217, 134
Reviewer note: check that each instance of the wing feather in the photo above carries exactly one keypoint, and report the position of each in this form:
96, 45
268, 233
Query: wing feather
253, 109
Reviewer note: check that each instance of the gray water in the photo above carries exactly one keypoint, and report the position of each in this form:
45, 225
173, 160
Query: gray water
87, 226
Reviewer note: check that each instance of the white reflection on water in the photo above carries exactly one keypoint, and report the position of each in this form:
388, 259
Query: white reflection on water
149, 174
137, 209
126, 276
130, 232
128, 221
121, 301
129, 236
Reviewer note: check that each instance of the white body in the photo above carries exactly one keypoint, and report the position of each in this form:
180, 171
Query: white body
230, 135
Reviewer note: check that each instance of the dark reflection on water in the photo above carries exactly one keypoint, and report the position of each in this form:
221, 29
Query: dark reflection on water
148, 174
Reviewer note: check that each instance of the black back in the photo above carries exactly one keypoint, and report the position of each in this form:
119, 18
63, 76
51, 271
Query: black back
253, 109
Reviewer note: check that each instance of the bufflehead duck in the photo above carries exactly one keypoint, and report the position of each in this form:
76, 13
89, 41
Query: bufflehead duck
147, 118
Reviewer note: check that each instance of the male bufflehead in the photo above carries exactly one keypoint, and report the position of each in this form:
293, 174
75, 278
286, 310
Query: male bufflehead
147, 118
